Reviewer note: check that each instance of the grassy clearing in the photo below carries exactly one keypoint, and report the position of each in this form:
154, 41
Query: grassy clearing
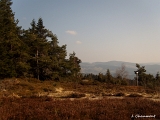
34, 87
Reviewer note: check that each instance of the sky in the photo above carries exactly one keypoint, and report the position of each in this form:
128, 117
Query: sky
99, 30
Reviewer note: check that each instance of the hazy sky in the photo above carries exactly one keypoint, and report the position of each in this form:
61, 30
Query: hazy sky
99, 30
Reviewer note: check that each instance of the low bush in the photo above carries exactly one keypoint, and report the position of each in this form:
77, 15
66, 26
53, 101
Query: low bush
135, 95
75, 95
120, 94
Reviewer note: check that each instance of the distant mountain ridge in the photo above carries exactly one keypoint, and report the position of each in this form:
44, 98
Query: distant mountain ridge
101, 67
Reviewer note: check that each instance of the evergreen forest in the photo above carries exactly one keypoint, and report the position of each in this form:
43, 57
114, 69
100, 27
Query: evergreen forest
34, 52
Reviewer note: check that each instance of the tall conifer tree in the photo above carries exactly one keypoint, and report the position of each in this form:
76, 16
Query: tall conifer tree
74, 64
10, 43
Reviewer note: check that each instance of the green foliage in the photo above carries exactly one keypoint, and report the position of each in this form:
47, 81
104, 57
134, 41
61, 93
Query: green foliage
157, 76
109, 76
147, 80
12, 47
34, 52
140, 69
141, 74
74, 66
47, 58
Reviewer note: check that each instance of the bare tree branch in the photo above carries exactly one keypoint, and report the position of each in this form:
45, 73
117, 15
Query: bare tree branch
121, 72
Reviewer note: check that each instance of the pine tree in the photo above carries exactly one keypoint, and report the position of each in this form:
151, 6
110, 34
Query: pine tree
74, 64
157, 76
109, 76
42, 49
11, 46
47, 58
101, 77
57, 56
158, 79
38, 47
141, 74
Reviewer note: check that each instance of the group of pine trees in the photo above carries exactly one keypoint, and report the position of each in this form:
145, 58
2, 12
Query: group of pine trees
33, 52
107, 78
147, 80
120, 78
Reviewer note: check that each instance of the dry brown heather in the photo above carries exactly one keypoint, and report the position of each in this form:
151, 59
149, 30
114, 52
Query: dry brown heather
45, 108
30, 99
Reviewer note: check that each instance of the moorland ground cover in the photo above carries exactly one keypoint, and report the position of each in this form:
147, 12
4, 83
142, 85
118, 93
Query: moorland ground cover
20, 100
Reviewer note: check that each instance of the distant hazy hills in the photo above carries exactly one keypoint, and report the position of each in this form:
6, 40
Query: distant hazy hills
101, 67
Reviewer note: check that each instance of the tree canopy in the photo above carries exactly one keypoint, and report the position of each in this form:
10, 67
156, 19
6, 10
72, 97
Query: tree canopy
33, 52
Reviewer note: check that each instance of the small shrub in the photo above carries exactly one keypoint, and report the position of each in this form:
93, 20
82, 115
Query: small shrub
75, 95
124, 82
120, 94
109, 94
150, 91
135, 95
46, 90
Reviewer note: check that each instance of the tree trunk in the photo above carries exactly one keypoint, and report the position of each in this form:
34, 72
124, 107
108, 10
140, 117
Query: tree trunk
37, 66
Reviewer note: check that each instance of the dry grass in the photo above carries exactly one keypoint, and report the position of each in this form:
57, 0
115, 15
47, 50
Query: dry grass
25, 87
34, 87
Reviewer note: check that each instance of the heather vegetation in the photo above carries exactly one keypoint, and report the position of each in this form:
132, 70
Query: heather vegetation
51, 109
35, 99
38, 82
